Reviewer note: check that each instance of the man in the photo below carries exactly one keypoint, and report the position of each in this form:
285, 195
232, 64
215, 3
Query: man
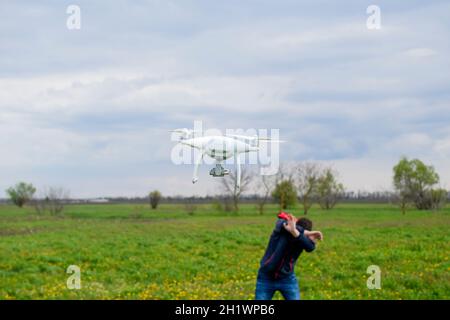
289, 238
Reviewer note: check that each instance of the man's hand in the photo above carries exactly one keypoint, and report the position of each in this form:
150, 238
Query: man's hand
313, 235
290, 226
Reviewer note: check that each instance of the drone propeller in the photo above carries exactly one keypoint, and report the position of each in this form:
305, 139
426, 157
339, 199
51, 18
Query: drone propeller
182, 130
238, 136
253, 138
270, 140
185, 133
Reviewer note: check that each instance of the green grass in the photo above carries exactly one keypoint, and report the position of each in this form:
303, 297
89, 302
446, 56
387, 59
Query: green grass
133, 252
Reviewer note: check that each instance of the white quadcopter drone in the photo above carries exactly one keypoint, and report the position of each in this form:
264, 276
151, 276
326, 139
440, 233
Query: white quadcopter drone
220, 148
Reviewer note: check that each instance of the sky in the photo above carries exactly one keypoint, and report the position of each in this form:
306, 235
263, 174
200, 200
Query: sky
89, 109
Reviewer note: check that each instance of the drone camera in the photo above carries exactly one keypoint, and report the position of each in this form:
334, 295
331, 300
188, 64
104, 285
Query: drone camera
219, 171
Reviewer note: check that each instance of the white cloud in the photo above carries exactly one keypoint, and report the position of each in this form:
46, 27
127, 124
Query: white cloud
420, 52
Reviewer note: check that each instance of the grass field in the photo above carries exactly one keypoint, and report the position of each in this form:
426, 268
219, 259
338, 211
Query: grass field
133, 252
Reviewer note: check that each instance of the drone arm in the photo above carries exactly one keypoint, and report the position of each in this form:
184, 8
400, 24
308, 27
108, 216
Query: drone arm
238, 172
197, 163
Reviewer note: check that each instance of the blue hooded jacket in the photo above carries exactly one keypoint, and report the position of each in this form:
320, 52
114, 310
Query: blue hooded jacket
283, 251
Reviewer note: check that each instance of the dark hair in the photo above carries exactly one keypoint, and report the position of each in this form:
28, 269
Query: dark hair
305, 223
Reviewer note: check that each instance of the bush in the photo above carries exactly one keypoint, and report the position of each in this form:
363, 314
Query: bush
223, 204
285, 194
52, 201
21, 193
155, 198
438, 198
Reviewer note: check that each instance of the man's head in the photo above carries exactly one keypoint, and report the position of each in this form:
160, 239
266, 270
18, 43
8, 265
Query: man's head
305, 223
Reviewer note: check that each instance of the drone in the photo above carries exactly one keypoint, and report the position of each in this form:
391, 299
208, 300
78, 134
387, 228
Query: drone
220, 148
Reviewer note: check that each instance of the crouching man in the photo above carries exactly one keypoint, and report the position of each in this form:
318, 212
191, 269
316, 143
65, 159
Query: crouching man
288, 240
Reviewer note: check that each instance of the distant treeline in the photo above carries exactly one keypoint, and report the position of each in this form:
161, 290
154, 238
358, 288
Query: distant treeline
351, 196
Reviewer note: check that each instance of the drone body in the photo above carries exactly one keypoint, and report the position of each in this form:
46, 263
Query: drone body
220, 148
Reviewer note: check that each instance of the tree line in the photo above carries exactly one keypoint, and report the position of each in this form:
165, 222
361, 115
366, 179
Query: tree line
415, 185
306, 183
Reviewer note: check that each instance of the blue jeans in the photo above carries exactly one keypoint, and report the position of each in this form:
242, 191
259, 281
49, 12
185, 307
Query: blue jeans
266, 287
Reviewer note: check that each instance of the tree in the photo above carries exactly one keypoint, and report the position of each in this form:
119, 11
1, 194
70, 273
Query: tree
285, 194
155, 198
413, 179
286, 171
264, 187
52, 201
307, 178
438, 198
329, 189
228, 186
21, 193
402, 200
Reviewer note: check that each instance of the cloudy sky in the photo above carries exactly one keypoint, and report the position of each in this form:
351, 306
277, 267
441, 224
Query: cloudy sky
90, 109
